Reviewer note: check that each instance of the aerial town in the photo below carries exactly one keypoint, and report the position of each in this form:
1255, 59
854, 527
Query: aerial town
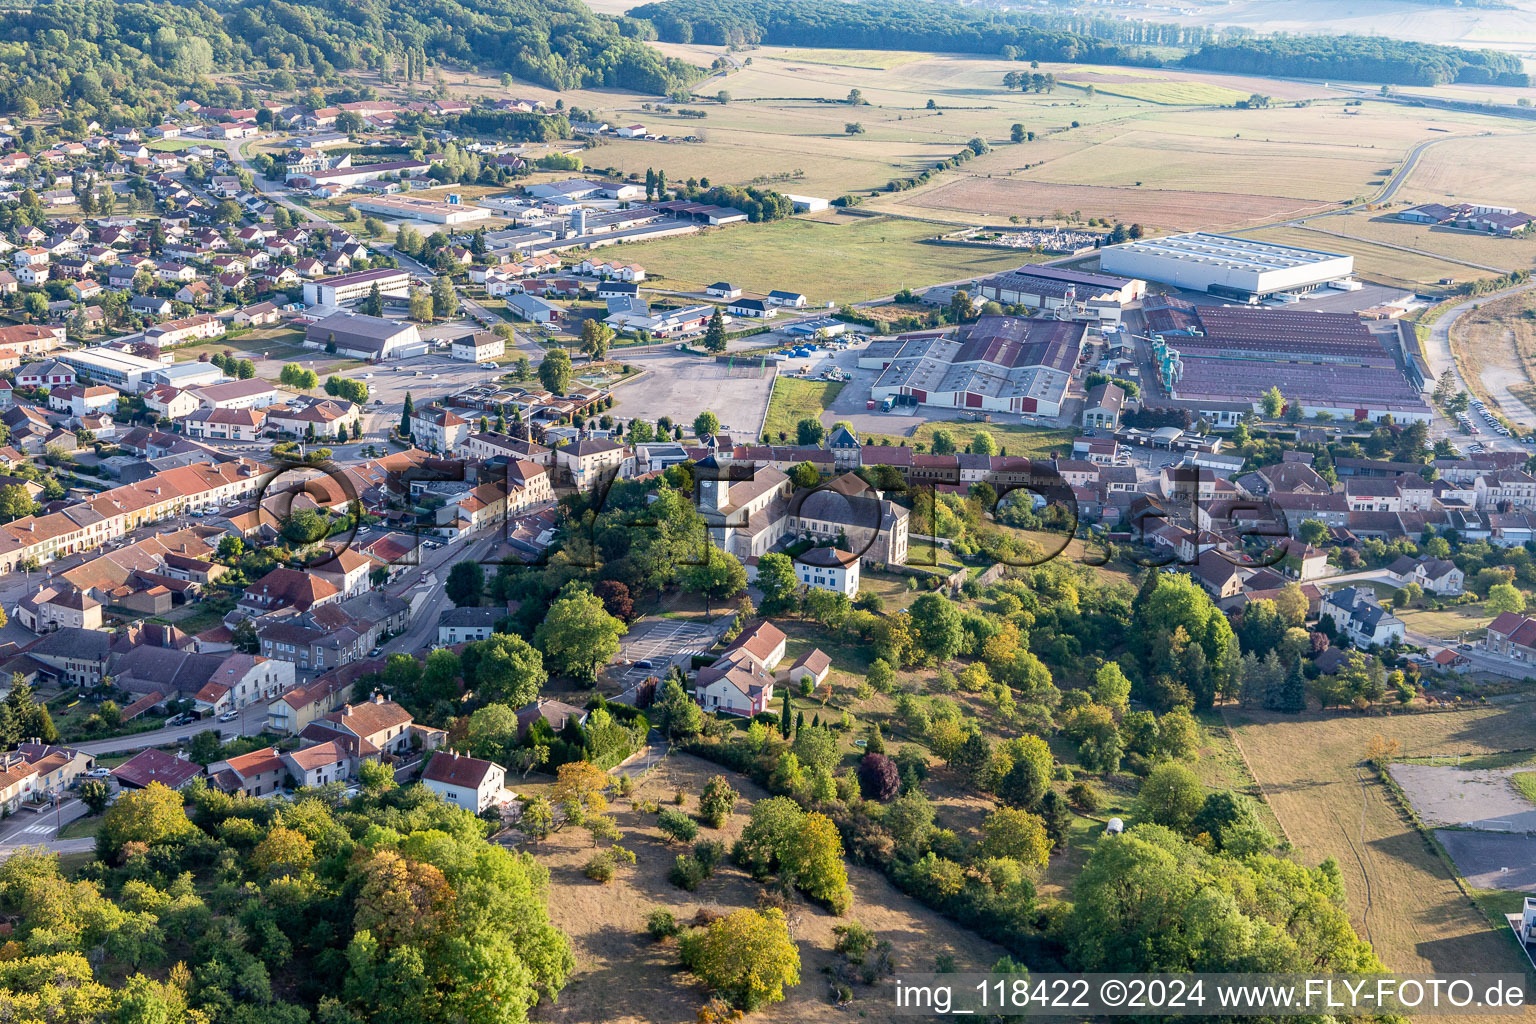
705, 519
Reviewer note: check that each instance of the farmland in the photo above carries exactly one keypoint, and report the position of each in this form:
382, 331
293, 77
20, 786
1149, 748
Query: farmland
1373, 260
1169, 92
1496, 166
1402, 898
829, 259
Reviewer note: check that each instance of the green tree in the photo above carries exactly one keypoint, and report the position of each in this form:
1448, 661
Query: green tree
421, 309
718, 576
578, 635
373, 305
595, 338
676, 713
1015, 834
1171, 795
748, 956
936, 626
466, 584
405, 415
445, 299
504, 669
555, 371
714, 334
1272, 402
717, 802
1503, 597
150, 815
706, 424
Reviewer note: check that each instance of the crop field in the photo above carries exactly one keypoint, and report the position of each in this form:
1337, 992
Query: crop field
1402, 897
1373, 261
1473, 247
624, 977
1493, 169
879, 60
1169, 92
838, 259
1165, 209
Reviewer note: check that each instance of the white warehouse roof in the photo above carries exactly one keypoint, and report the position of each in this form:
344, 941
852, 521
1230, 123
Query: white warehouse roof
1198, 260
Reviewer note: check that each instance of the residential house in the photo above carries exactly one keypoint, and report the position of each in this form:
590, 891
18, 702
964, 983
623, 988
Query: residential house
464, 781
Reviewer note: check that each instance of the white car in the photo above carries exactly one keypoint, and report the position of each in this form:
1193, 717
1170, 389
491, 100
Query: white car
229, 716
98, 773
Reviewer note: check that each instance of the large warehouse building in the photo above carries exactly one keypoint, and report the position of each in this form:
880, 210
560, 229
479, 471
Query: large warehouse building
427, 210
364, 337
1056, 287
346, 289
1221, 359
1233, 268
998, 364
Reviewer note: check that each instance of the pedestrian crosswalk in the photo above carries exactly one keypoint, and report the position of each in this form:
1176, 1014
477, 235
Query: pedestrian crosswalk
36, 830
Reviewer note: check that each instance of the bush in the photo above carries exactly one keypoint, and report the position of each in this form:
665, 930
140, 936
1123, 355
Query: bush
687, 872
1083, 797
600, 867
678, 825
661, 924
709, 852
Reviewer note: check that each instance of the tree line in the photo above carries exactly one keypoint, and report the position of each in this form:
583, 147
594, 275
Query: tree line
950, 28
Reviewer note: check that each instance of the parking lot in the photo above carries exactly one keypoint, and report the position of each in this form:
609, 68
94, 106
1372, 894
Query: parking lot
653, 646
1469, 798
679, 385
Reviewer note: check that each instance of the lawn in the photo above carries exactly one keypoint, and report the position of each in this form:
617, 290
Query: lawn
1401, 896
837, 259
1469, 620
1017, 439
795, 400
1525, 782
82, 828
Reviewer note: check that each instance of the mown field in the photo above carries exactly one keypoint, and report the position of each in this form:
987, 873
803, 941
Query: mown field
1490, 169
1401, 895
1168, 92
1489, 250
830, 259
794, 400
1374, 261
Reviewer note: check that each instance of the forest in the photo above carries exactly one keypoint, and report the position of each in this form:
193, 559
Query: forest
94, 55
948, 28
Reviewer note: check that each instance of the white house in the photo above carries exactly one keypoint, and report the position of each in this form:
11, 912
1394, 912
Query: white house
740, 681
460, 625
479, 347
1357, 615
792, 299
755, 309
829, 569
466, 782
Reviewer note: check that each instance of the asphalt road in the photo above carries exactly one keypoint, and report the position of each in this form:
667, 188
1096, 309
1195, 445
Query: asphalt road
252, 720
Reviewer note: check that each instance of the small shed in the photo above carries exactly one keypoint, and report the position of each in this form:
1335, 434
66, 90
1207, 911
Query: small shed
814, 665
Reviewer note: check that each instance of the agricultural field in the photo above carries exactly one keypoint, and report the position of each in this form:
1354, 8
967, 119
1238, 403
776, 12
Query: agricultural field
1490, 168
1495, 344
1402, 897
1504, 254
623, 975
1374, 261
1167, 92
838, 258
1462, 620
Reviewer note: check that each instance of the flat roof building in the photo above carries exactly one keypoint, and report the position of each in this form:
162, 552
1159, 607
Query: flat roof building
346, 289
122, 370
429, 210
1237, 268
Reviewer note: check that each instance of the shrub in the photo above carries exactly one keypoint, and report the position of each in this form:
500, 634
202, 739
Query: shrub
600, 867
687, 872
879, 778
709, 852
677, 825
1084, 797
661, 924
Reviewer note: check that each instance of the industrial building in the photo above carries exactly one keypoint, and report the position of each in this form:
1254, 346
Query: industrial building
346, 289
998, 364
1235, 268
1220, 360
122, 370
1041, 287
428, 210
347, 177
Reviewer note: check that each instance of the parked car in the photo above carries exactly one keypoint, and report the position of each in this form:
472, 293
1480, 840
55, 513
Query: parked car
229, 716
98, 773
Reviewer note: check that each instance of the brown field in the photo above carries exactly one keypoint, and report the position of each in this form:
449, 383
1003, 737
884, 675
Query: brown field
1494, 169
624, 977
1495, 343
1373, 261
1163, 208
1401, 895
